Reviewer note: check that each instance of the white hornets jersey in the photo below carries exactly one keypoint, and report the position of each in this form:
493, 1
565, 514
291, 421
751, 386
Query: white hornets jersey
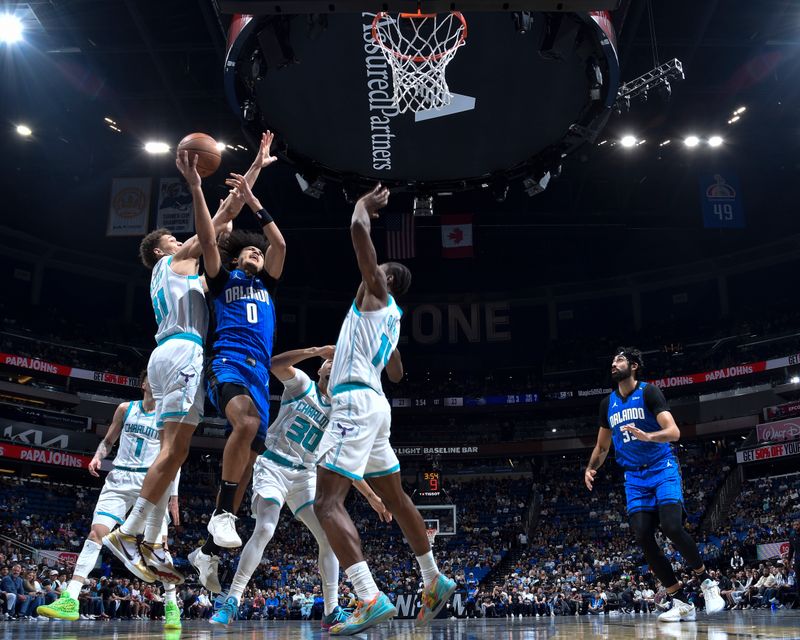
365, 343
296, 432
179, 304
139, 443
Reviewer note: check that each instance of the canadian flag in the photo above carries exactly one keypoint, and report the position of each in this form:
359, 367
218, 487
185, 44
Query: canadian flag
457, 236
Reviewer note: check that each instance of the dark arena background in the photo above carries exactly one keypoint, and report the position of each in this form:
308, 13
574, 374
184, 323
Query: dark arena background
616, 172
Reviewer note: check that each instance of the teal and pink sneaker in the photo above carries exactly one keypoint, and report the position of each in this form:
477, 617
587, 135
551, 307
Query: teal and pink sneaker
335, 617
366, 615
434, 597
227, 612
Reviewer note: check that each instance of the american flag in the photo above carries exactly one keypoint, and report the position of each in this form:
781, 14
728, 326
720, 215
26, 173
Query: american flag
399, 235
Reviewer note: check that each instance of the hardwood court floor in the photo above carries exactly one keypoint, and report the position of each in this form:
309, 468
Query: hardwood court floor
739, 625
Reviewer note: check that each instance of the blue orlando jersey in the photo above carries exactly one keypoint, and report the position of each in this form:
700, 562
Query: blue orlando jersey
639, 410
243, 314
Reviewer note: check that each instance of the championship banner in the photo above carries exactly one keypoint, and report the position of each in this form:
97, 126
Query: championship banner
721, 199
769, 452
45, 456
787, 410
779, 431
771, 550
129, 209
175, 210
43, 366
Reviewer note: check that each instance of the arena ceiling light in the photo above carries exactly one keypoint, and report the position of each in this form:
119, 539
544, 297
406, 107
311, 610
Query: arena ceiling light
715, 141
794, 379
628, 141
24, 130
740, 111
665, 143
733, 119
691, 141
220, 146
156, 147
10, 28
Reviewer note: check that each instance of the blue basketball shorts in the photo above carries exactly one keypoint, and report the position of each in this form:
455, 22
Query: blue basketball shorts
646, 490
238, 370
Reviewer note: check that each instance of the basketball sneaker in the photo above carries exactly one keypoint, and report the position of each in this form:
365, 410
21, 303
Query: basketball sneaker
172, 616
366, 615
222, 528
334, 617
65, 608
208, 568
159, 561
434, 597
714, 601
126, 549
227, 612
680, 612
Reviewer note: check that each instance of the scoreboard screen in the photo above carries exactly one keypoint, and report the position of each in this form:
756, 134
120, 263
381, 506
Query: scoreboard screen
430, 484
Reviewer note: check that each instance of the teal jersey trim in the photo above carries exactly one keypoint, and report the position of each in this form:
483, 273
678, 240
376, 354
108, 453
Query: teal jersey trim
296, 398
127, 413
280, 504
320, 397
387, 472
279, 459
340, 471
355, 308
111, 515
144, 413
303, 506
133, 469
350, 386
192, 337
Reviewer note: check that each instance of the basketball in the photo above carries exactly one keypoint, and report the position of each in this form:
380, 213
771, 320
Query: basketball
205, 147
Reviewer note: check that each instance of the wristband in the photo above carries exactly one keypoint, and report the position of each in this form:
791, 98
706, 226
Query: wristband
263, 216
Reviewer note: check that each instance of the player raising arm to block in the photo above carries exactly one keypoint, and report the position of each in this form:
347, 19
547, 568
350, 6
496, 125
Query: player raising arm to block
356, 446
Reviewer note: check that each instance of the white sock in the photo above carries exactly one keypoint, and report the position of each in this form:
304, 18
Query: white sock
427, 566
83, 567
327, 561
361, 577
134, 523
267, 515
169, 593
74, 588
155, 521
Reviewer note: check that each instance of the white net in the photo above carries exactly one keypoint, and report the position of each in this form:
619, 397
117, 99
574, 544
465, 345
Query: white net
418, 47
431, 533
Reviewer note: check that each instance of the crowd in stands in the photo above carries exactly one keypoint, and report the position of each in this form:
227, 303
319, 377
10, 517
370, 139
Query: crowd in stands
579, 558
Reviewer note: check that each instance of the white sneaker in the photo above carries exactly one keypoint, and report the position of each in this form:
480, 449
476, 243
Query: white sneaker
208, 568
222, 527
680, 612
714, 601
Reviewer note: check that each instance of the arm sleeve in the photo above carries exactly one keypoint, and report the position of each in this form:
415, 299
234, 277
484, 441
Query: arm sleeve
296, 386
654, 399
603, 417
217, 283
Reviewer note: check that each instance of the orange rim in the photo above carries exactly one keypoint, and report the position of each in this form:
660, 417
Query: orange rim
411, 16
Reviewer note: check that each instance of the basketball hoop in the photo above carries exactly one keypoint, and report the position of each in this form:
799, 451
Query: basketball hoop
431, 533
418, 47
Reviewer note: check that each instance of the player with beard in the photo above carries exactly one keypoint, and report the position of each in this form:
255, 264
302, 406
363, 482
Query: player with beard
637, 419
